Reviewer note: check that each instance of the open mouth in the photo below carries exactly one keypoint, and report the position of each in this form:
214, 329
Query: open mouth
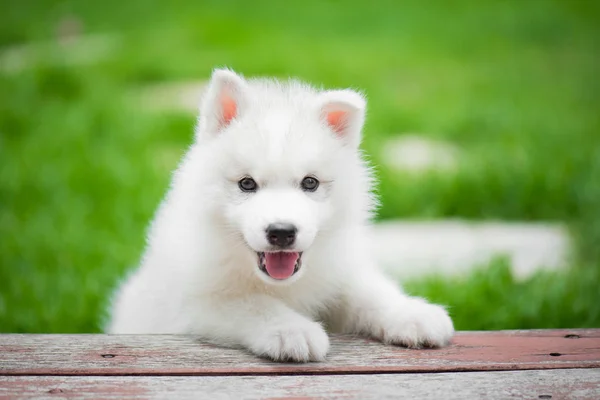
279, 265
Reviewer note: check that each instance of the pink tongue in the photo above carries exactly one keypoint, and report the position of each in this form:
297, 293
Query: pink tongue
280, 265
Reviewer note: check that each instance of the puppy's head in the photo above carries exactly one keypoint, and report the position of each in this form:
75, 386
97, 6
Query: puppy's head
286, 165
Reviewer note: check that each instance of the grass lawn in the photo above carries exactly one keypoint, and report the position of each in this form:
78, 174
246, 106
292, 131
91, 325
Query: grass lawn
514, 84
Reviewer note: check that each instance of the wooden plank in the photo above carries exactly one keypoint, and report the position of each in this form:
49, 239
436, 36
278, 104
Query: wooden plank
186, 355
537, 384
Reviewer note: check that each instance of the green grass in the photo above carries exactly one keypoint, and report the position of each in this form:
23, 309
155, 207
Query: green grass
513, 84
490, 298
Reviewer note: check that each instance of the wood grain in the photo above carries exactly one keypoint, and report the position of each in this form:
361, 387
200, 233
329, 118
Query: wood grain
547, 384
186, 355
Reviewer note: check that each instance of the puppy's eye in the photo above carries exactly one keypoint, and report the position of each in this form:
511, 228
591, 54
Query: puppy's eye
248, 184
309, 184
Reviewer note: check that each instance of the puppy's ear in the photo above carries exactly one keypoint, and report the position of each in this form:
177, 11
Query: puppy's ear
343, 112
222, 103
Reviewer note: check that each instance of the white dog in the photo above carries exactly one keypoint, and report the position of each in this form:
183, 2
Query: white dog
261, 240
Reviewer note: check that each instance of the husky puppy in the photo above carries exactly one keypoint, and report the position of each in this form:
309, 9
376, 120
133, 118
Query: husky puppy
262, 240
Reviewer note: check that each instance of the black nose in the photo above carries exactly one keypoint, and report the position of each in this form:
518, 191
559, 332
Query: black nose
281, 234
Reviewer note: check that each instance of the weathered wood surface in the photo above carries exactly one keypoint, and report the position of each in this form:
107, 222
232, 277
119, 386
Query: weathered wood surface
185, 355
540, 384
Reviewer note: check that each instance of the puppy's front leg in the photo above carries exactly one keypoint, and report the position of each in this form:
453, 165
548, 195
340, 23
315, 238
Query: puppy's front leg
265, 326
373, 305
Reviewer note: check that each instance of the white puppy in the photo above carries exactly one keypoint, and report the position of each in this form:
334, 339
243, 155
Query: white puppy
261, 240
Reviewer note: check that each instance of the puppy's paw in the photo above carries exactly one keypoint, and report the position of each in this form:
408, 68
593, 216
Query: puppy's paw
418, 324
299, 341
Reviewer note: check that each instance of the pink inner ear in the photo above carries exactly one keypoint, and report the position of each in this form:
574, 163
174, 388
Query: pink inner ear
229, 109
337, 121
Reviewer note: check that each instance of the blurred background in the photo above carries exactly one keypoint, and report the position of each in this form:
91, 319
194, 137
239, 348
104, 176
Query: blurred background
483, 126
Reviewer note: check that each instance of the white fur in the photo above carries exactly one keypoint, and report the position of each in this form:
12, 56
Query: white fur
200, 274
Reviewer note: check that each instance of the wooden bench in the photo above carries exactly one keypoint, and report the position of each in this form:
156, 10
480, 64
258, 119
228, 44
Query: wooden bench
541, 364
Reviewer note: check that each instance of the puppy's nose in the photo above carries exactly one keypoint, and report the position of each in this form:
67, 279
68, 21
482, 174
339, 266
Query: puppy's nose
281, 234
